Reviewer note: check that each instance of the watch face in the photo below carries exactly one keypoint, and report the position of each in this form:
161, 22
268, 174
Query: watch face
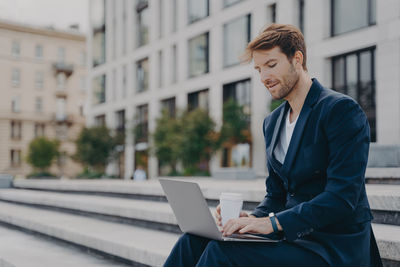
271, 214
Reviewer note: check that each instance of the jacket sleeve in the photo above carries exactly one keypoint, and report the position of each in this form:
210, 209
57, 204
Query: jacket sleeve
275, 198
347, 131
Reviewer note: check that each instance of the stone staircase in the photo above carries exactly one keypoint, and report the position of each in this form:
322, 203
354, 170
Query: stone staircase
130, 223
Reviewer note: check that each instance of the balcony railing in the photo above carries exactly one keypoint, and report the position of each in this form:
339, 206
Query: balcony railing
62, 118
68, 69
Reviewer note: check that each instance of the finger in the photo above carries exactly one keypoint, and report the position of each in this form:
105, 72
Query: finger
243, 214
246, 229
232, 228
216, 215
227, 226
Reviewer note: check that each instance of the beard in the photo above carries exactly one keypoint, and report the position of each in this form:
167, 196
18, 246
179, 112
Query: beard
288, 83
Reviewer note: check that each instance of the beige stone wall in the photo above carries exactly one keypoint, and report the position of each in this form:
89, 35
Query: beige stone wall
51, 40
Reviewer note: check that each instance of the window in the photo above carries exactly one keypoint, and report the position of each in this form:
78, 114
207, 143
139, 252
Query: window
114, 30
61, 55
124, 27
124, 81
198, 99
39, 129
39, 80
142, 75
60, 112
15, 157
301, 15
168, 105
143, 22
99, 89
16, 104
231, 2
238, 154
120, 118
271, 13
174, 16
120, 129
16, 77
16, 49
100, 120
240, 92
174, 65
160, 69
114, 84
236, 37
62, 159
16, 130
82, 58
160, 18
349, 15
38, 105
61, 79
142, 123
197, 9
39, 52
354, 74
97, 17
82, 83
198, 55
61, 131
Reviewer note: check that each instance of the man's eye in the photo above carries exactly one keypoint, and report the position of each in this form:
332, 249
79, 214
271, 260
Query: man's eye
272, 65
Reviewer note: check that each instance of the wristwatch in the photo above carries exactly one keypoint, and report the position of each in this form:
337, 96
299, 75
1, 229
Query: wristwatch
272, 218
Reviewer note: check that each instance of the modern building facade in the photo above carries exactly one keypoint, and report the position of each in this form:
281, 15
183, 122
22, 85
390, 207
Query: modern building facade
180, 54
43, 88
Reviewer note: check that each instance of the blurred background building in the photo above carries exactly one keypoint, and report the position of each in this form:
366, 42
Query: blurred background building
146, 55
43, 81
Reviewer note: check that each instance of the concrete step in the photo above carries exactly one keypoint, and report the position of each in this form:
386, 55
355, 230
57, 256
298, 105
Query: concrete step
149, 214
384, 199
252, 190
20, 249
130, 244
84, 231
383, 176
134, 245
388, 239
130, 202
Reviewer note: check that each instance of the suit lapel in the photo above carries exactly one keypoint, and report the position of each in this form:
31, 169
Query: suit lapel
295, 141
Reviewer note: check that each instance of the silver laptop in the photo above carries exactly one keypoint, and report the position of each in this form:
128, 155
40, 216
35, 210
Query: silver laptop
194, 216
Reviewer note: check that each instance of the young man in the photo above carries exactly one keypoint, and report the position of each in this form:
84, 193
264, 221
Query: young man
317, 145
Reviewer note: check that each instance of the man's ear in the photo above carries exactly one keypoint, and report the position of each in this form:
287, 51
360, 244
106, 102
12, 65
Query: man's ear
298, 57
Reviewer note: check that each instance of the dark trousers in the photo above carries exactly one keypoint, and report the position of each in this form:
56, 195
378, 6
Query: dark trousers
191, 250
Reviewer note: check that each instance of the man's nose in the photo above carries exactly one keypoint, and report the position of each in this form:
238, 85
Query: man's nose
264, 76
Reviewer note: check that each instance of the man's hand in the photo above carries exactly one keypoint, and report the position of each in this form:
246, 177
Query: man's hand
248, 225
218, 218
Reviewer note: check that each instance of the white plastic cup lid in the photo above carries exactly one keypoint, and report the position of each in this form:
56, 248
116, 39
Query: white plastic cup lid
231, 196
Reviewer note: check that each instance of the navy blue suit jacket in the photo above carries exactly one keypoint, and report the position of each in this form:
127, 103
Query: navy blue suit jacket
318, 193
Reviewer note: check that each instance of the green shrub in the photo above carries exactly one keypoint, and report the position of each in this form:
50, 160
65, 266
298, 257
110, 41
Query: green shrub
41, 153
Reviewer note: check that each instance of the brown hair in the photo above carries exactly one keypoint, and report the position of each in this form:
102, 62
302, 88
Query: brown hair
287, 37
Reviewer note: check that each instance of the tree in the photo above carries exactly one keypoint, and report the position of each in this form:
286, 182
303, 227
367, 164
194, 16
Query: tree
198, 141
94, 147
235, 127
167, 140
275, 103
42, 153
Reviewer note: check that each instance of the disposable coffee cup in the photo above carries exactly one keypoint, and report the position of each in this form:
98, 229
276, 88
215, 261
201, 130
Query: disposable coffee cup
231, 205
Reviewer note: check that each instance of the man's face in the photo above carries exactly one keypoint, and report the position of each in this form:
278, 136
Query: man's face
277, 74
